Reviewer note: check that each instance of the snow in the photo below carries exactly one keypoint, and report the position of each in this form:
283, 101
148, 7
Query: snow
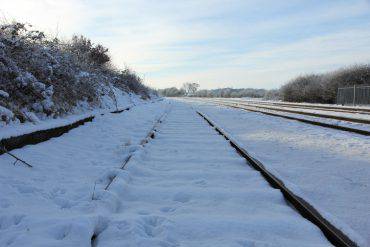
343, 123
51, 204
189, 187
315, 111
328, 168
344, 107
5, 114
82, 111
186, 187
4, 94
21, 129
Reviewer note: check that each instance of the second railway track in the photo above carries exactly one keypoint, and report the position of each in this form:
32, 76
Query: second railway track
336, 236
299, 112
296, 118
355, 110
185, 187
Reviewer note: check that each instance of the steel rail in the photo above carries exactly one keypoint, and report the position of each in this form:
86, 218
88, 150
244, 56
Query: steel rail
333, 234
35, 137
150, 135
342, 118
303, 106
39, 136
325, 108
317, 123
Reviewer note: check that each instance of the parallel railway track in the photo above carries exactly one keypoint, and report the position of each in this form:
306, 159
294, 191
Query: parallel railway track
312, 114
355, 110
14, 142
333, 234
150, 135
304, 120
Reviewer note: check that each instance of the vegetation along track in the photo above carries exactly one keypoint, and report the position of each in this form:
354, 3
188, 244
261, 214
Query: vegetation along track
334, 235
313, 122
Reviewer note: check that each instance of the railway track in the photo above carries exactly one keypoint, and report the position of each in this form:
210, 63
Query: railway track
354, 110
334, 235
35, 137
150, 135
304, 120
13, 142
82, 163
186, 171
189, 187
312, 114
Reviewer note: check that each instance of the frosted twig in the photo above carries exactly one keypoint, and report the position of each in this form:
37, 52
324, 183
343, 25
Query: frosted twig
93, 194
16, 158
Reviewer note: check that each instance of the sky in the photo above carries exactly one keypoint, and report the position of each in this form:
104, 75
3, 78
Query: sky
239, 44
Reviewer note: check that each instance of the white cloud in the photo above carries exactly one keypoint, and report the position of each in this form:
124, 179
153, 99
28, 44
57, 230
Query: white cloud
66, 17
217, 43
271, 67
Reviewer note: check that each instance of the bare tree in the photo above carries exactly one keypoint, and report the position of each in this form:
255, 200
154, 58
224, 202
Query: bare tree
171, 92
190, 88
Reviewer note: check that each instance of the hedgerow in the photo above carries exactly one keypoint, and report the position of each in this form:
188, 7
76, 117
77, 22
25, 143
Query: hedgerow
48, 77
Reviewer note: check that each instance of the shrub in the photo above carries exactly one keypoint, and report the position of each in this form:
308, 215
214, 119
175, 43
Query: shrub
322, 88
171, 92
50, 77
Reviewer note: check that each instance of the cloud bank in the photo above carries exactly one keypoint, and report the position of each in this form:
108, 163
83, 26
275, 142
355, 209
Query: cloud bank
215, 43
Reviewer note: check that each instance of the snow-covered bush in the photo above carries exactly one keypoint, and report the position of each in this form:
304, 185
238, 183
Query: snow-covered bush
49, 77
220, 92
322, 88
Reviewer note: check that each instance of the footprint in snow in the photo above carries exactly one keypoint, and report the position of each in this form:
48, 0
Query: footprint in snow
143, 212
201, 183
5, 203
153, 225
9, 221
181, 197
167, 209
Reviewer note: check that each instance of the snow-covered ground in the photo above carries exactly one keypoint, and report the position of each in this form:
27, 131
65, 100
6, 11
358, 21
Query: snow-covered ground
15, 128
329, 168
51, 204
354, 116
344, 107
186, 187
354, 125
189, 187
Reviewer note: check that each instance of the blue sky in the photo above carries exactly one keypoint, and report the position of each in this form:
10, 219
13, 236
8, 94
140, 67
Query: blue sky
259, 44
